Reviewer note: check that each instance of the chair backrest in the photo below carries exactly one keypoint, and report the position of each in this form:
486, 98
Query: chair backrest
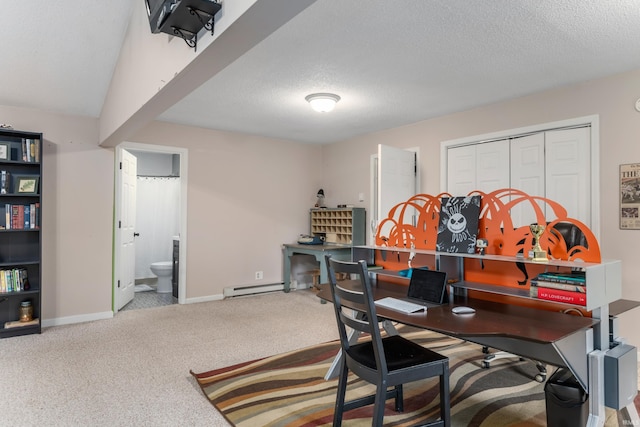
360, 314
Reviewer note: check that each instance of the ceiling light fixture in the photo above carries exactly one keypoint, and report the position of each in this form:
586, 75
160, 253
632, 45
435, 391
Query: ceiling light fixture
322, 102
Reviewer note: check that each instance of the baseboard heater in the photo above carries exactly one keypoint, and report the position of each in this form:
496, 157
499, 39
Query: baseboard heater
252, 289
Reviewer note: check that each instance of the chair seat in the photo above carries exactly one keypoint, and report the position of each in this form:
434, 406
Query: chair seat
399, 352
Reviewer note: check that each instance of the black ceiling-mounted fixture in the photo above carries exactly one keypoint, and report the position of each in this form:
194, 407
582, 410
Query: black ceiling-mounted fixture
182, 18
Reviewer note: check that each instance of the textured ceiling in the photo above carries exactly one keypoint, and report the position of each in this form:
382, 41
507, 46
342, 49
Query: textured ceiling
392, 62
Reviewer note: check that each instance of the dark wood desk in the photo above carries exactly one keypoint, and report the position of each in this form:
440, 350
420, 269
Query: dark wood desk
555, 338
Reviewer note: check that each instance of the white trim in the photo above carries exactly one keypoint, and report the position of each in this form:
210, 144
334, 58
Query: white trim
184, 179
217, 297
593, 121
69, 320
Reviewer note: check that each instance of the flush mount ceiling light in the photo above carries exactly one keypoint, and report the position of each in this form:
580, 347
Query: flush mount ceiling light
322, 102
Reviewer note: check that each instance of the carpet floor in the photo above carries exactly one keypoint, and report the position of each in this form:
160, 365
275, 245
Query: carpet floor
290, 390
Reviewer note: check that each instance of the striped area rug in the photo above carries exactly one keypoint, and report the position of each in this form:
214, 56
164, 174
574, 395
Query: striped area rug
290, 390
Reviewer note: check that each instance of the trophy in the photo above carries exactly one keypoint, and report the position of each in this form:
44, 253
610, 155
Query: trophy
539, 255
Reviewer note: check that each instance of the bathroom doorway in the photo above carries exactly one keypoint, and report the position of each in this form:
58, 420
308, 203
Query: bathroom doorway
158, 263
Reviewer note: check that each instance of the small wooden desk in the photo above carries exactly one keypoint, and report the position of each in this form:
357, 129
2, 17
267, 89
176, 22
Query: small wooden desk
339, 252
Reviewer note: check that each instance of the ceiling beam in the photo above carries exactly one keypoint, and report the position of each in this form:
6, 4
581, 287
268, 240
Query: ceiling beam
261, 19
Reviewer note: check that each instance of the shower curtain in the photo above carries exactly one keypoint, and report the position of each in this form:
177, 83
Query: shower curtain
157, 221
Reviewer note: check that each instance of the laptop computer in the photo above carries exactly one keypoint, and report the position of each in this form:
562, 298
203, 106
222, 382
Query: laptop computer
427, 288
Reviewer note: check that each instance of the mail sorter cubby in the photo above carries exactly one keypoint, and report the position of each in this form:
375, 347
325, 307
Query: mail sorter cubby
342, 226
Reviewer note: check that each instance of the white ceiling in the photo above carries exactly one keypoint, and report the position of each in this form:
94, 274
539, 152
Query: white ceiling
392, 62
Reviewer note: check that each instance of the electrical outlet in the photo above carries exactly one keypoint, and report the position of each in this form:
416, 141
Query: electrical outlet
259, 275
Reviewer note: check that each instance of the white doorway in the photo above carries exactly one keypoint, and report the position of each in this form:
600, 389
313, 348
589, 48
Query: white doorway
121, 259
395, 178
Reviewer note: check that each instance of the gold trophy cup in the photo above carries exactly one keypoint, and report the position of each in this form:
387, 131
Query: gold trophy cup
539, 255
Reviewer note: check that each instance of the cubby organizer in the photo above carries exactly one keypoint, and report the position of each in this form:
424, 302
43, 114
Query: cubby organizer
343, 226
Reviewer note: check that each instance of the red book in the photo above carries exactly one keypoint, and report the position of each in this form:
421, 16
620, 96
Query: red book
558, 295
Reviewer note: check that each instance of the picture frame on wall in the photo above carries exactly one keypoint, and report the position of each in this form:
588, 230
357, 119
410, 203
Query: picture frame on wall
630, 196
26, 184
5, 151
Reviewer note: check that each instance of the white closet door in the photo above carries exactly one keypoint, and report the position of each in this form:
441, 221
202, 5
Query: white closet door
528, 174
461, 170
478, 167
568, 162
491, 159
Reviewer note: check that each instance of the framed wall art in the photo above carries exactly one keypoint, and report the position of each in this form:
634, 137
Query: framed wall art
630, 196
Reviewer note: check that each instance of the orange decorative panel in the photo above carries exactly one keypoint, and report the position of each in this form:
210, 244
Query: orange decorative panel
495, 225
564, 238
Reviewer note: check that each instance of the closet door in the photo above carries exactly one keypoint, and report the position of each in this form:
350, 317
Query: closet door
483, 167
568, 165
528, 174
461, 170
492, 166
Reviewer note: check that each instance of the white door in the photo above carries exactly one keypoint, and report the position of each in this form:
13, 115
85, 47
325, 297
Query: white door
125, 227
461, 170
397, 171
478, 167
568, 165
491, 174
528, 175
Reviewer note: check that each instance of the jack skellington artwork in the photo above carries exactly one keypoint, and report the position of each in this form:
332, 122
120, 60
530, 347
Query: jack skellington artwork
458, 226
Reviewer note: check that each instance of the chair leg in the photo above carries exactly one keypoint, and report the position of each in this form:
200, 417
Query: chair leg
399, 399
340, 395
445, 403
378, 408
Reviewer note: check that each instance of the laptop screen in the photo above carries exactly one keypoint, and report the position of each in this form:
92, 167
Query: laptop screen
428, 285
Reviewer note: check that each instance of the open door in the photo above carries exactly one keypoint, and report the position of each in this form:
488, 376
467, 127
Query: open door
397, 182
124, 277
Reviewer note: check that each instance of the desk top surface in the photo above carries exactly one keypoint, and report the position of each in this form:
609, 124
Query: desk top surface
323, 247
490, 318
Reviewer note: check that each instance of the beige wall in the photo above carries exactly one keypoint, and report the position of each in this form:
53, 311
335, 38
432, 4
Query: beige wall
346, 164
247, 195
77, 215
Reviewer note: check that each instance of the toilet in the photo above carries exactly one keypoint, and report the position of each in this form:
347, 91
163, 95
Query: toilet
164, 270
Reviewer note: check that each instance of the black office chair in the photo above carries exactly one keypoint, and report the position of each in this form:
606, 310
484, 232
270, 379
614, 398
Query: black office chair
386, 362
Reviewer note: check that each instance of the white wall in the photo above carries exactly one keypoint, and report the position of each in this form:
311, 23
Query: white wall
346, 164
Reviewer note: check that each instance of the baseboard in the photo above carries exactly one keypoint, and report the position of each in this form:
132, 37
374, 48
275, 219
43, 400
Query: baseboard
59, 321
217, 297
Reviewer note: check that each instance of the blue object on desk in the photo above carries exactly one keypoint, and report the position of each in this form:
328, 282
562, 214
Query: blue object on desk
407, 272
310, 240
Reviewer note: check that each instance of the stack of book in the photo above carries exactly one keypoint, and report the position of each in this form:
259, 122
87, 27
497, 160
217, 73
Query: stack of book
568, 287
14, 280
22, 217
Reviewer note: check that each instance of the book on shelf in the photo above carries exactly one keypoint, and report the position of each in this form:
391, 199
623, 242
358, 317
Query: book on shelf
18, 323
31, 150
22, 217
5, 182
559, 295
14, 280
574, 277
559, 285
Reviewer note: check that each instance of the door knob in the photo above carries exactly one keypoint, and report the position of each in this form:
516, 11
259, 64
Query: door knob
136, 234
